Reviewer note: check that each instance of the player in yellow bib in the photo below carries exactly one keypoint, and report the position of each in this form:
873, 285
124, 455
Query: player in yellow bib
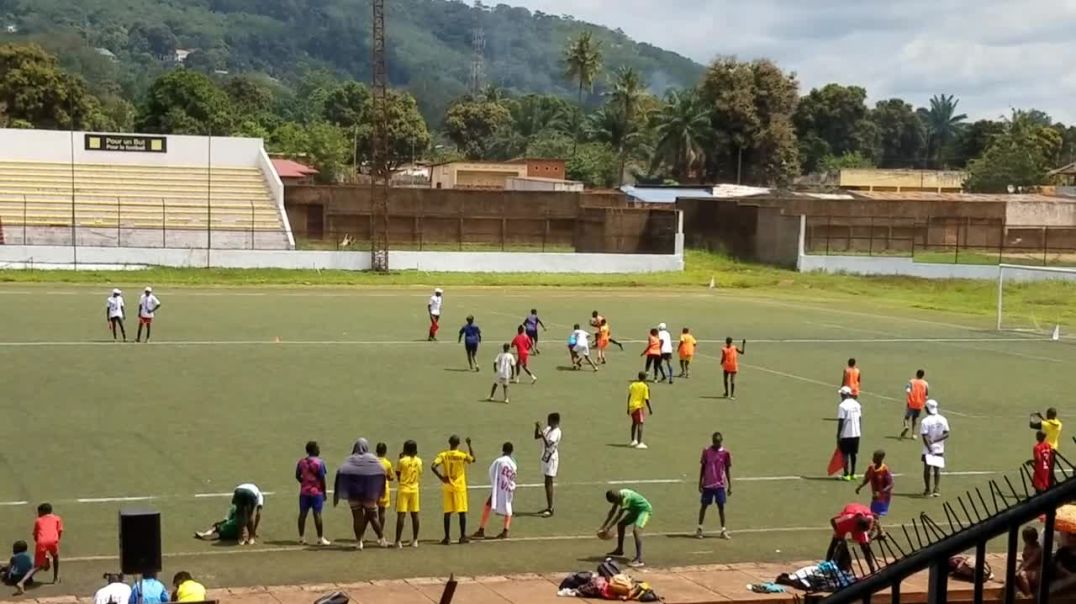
408, 473
450, 467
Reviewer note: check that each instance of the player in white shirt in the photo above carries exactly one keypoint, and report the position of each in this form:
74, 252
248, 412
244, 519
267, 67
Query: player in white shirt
935, 431
581, 348
434, 308
849, 430
148, 304
502, 483
504, 367
550, 437
115, 313
666, 349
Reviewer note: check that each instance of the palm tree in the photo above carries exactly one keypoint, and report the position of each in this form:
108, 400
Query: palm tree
942, 123
626, 94
582, 63
682, 126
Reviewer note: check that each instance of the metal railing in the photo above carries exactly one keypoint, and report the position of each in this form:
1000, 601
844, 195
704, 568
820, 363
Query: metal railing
150, 222
959, 240
971, 522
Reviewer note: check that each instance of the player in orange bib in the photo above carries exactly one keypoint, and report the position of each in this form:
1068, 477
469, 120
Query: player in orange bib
852, 377
602, 338
596, 321
918, 392
730, 363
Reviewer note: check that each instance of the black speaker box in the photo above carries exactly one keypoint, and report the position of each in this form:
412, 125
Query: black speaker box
140, 541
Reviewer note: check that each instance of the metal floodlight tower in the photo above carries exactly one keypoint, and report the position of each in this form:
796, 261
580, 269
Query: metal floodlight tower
379, 160
478, 50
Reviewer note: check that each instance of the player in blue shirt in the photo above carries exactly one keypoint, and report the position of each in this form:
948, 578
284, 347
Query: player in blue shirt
471, 336
530, 325
19, 566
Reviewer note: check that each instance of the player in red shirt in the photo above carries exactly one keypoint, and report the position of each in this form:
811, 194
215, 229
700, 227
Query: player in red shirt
1042, 463
48, 529
523, 344
856, 521
881, 481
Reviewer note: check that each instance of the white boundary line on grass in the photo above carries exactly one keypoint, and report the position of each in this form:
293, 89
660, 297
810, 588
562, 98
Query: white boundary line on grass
474, 487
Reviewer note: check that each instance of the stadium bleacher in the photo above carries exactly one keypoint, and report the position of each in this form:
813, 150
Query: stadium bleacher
138, 205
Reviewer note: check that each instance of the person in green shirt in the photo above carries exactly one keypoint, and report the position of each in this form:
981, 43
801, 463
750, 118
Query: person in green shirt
629, 509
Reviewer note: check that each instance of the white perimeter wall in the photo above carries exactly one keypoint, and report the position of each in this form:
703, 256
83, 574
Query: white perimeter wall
44, 257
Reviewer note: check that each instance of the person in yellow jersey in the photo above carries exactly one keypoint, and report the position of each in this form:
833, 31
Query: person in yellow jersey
186, 588
450, 467
1050, 425
408, 473
638, 405
386, 498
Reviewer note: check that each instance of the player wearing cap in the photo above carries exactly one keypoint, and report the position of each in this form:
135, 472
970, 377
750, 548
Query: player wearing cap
849, 430
115, 312
666, 349
148, 304
935, 431
434, 308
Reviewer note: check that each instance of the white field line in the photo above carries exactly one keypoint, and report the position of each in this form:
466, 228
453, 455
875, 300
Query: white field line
473, 487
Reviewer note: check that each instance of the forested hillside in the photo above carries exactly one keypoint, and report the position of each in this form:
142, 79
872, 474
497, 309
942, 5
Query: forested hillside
430, 50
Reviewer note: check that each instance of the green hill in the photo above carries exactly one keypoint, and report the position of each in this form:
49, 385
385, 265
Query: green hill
430, 48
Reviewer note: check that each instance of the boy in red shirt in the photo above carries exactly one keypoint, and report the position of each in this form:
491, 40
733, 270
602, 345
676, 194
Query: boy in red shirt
1042, 463
523, 343
48, 529
881, 481
855, 521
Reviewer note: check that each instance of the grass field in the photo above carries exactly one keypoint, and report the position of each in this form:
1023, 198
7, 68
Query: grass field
217, 400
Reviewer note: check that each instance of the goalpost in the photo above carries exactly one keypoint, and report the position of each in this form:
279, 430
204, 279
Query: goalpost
1032, 299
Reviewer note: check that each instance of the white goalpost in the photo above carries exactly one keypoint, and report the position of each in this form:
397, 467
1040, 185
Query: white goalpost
1028, 298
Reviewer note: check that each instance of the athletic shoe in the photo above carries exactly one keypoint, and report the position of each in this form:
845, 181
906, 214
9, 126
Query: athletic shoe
358, 546
935, 494
445, 541
725, 535
634, 443
503, 534
414, 543
323, 542
546, 513
479, 534
534, 379
490, 399
383, 542
732, 398
505, 401
302, 541
464, 540
615, 553
399, 545
698, 533
636, 564
641, 446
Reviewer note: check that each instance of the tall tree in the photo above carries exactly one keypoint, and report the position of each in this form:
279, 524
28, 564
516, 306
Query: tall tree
534, 116
832, 121
943, 123
476, 126
901, 134
627, 93
681, 126
582, 64
186, 102
973, 140
36, 93
1018, 157
751, 107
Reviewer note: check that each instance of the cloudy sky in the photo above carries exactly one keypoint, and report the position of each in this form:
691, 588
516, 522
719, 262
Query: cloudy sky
991, 54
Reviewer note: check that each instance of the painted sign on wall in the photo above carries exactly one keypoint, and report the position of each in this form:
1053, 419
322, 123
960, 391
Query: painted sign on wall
129, 143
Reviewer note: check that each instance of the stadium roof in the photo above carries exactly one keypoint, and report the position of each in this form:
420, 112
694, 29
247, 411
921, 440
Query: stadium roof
286, 168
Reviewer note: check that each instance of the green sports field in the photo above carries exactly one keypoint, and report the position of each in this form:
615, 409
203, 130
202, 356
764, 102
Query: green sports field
237, 380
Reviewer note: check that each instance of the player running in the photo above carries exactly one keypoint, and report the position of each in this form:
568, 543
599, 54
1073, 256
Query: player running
596, 320
433, 307
602, 337
918, 391
115, 313
502, 482
730, 364
581, 349
148, 304
666, 350
531, 325
715, 481
852, 377
522, 343
629, 509
504, 367
686, 350
471, 336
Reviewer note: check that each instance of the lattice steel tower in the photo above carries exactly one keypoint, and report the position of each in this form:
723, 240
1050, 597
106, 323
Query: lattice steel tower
379, 155
478, 49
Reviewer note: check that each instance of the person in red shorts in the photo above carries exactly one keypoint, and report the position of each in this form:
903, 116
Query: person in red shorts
855, 521
1042, 463
48, 529
523, 343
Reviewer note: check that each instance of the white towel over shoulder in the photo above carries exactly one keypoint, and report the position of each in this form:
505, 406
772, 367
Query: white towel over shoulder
502, 480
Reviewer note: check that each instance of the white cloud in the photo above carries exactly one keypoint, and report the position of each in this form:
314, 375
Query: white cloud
991, 54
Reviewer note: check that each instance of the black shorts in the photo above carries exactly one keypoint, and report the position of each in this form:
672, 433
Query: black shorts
471, 347
666, 356
533, 335
849, 446
912, 414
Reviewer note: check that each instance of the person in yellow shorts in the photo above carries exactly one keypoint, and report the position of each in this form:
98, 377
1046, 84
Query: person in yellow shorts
453, 476
687, 352
386, 498
408, 473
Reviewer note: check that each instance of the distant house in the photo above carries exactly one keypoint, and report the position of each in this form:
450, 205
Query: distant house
1065, 175
181, 54
493, 175
898, 181
106, 53
292, 172
11, 28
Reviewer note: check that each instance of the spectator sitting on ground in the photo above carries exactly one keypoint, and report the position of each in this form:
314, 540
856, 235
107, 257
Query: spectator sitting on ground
114, 592
19, 566
149, 590
186, 588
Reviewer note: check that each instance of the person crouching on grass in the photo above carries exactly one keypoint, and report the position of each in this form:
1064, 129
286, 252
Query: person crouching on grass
856, 521
48, 530
638, 405
629, 509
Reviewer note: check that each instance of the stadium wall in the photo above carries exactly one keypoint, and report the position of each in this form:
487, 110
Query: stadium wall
60, 146
101, 258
